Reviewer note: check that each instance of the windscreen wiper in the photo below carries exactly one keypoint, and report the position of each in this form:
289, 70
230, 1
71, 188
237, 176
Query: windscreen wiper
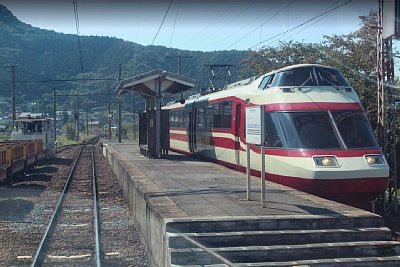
304, 83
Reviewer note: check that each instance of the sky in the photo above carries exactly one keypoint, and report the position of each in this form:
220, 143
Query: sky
198, 25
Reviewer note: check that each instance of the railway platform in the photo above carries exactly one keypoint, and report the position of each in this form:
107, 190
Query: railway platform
193, 212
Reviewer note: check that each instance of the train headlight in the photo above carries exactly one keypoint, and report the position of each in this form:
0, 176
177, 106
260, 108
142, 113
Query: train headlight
374, 159
326, 161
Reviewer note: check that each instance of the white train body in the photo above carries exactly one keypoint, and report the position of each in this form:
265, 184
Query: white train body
317, 136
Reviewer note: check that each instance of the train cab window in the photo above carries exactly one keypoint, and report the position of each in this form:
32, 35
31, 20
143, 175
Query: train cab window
266, 82
355, 129
295, 77
330, 77
309, 130
273, 131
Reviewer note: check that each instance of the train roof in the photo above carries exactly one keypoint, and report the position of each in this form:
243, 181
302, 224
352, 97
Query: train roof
249, 88
301, 66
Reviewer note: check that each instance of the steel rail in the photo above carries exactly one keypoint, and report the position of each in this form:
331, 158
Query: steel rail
96, 212
62, 148
39, 256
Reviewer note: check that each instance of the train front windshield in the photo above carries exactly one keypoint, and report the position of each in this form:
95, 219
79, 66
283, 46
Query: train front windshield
309, 76
319, 130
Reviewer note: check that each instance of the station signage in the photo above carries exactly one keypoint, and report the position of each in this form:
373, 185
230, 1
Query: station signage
254, 125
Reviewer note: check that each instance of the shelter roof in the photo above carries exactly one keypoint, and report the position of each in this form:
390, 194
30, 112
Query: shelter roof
147, 83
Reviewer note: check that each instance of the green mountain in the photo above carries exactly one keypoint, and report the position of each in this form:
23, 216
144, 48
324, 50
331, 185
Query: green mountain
48, 55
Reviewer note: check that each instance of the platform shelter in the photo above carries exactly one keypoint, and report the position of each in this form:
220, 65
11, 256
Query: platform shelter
154, 122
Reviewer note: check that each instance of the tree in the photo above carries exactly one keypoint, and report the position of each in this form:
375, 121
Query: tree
69, 131
354, 55
271, 58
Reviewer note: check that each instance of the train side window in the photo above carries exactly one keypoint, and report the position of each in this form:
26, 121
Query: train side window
201, 117
186, 117
226, 120
172, 118
222, 115
266, 82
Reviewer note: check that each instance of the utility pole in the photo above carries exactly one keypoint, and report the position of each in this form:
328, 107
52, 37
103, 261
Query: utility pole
134, 116
77, 121
109, 117
179, 57
13, 70
119, 107
387, 112
54, 115
87, 120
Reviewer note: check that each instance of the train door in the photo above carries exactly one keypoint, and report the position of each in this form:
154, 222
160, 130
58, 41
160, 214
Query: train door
192, 130
238, 119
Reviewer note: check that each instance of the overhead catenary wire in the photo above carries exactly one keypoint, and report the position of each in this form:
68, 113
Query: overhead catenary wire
234, 16
200, 66
210, 24
312, 24
162, 22
76, 13
176, 17
262, 24
319, 17
302, 24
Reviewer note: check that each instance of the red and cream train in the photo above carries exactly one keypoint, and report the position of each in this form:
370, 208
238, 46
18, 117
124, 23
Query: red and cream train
318, 138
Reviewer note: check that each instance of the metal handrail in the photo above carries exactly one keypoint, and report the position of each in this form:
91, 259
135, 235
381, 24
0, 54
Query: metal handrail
215, 255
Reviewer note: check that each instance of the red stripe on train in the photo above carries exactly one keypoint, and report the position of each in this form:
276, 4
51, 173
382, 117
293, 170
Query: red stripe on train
313, 106
358, 192
228, 143
309, 153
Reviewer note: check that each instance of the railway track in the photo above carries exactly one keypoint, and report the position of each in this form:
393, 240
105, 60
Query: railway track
72, 235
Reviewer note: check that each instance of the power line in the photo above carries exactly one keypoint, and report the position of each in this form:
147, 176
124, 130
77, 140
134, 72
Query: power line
234, 16
318, 18
218, 18
259, 26
162, 22
76, 13
302, 24
75, 4
200, 67
321, 18
65, 80
176, 16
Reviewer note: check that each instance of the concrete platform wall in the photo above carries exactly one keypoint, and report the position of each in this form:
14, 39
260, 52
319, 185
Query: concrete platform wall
148, 204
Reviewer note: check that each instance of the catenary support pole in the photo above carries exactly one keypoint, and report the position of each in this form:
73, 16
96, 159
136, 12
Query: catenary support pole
54, 114
248, 173
119, 107
262, 159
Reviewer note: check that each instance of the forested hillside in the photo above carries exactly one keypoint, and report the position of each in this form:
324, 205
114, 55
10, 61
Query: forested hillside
43, 55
